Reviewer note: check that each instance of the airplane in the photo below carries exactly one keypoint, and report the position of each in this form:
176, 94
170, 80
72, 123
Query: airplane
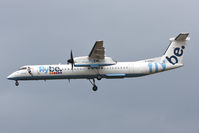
97, 66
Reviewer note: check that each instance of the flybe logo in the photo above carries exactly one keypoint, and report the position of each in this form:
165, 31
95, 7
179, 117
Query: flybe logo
50, 70
177, 53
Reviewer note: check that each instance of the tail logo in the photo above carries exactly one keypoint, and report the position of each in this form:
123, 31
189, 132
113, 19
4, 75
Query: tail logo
178, 52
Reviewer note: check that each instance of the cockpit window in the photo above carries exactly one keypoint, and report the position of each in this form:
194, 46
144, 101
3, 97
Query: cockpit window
22, 68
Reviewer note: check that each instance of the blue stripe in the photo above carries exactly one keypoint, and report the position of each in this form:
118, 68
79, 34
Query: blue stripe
116, 75
156, 67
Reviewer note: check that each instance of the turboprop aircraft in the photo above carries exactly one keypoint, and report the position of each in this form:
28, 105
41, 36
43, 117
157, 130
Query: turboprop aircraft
97, 66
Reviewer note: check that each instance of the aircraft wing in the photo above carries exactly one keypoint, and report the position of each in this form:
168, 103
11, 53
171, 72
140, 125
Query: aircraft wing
95, 59
97, 52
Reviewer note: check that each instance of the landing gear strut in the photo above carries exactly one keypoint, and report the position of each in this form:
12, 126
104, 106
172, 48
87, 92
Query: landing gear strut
94, 85
17, 83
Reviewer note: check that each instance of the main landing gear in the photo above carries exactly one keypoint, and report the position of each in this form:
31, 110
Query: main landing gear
93, 83
17, 83
99, 77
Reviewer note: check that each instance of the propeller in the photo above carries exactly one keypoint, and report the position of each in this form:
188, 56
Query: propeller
71, 60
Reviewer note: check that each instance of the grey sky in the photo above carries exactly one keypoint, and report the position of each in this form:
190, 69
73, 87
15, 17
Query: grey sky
44, 32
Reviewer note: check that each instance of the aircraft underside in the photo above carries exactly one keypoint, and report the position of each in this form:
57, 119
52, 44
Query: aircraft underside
99, 77
91, 78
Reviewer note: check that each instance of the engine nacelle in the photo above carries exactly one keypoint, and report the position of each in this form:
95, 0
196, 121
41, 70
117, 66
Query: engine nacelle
85, 61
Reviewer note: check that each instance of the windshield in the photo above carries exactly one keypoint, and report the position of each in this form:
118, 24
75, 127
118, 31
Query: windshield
22, 68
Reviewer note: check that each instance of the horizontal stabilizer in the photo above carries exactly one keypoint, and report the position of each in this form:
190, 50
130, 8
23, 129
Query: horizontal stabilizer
182, 37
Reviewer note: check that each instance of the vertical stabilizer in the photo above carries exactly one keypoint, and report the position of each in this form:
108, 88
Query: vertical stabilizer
175, 52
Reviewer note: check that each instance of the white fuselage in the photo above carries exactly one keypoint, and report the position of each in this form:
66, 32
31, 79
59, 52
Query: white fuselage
64, 71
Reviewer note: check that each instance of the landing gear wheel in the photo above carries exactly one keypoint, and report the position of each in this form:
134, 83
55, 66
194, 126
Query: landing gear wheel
99, 77
94, 85
17, 83
94, 88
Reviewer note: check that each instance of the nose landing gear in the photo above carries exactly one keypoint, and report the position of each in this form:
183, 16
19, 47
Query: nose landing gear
17, 83
94, 85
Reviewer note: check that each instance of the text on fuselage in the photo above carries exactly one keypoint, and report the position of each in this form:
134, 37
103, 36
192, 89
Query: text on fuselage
50, 70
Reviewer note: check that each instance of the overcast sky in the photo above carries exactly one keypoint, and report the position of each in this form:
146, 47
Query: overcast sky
44, 32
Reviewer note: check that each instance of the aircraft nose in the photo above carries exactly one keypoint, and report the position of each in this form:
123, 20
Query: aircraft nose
11, 76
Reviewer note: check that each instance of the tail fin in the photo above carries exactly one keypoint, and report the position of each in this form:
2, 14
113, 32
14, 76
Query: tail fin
175, 51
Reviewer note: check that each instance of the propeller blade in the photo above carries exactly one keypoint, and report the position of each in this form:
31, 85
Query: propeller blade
72, 66
71, 56
71, 60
